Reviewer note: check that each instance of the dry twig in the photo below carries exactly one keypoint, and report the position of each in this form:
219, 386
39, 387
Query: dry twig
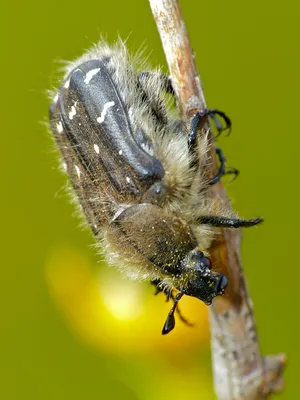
240, 372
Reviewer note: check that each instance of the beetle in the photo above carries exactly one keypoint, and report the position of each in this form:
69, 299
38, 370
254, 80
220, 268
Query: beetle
138, 173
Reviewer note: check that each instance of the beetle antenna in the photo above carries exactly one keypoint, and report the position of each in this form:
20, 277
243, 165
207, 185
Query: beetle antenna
170, 321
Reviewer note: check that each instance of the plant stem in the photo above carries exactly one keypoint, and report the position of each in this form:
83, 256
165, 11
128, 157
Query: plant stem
240, 372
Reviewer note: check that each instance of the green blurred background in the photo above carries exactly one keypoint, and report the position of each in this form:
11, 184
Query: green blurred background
65, 333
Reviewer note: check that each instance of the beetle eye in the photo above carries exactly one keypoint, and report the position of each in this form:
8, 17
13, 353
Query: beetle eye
197, 256
200, 254
221, 284
206, 263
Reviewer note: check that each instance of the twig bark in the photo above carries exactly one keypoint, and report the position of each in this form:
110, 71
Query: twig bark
240, 372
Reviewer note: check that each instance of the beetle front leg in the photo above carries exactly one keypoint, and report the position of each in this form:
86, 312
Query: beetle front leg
169, 295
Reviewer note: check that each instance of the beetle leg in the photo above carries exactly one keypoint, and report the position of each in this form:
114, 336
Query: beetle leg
170, 295
222, 169
223, 222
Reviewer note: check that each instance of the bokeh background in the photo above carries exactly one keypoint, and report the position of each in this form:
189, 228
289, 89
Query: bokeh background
70, 328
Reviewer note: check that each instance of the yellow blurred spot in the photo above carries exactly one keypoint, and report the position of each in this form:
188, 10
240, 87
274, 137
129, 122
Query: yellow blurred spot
117, 315
123, 301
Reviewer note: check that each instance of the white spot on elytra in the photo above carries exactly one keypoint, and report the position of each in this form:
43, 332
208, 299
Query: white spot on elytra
77, 171
67, 84
107, 105
65, 167
120, 152
55, 98
127, 179
72, 112
96, 147
90, 74
59, 127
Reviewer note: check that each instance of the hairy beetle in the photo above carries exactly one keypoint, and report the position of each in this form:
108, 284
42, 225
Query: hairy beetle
138, 173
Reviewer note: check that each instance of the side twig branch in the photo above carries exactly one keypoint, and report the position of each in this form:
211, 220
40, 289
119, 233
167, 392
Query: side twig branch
240, 372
